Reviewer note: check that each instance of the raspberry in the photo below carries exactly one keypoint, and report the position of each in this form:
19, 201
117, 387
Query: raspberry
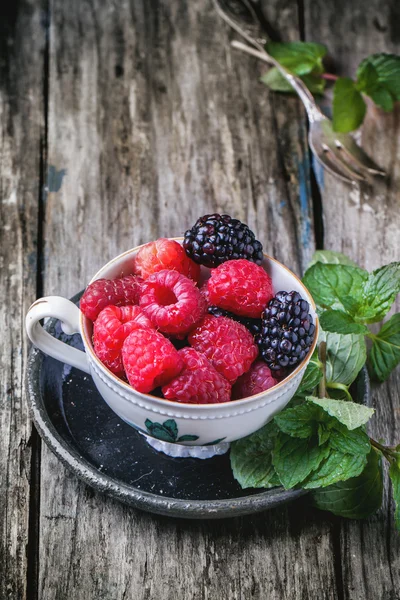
227, 344
111, 328
165, 254
106, 292
241, 287
172, 302
198, 383
258, 379
149, 359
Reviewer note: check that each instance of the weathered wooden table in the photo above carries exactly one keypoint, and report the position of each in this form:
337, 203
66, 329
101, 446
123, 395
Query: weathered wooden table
124, 121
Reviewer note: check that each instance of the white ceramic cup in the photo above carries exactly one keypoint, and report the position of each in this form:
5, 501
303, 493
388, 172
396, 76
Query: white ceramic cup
172, 422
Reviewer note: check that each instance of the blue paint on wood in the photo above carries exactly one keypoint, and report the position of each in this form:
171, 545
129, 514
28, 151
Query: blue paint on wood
319, 173
305, 195
55, 178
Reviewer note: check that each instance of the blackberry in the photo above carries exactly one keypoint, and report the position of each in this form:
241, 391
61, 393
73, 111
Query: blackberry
253, 325
287, 331
214, 239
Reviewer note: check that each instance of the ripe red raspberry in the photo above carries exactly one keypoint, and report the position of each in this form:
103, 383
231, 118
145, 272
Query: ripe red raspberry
110, 330
198, 382
258, 379
227, 344
241, 287
165, 254
149, 359
172, 302
106, 292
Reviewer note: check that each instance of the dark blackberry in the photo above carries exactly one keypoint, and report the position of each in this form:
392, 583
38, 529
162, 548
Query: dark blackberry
213, 239
253, 325
287, 331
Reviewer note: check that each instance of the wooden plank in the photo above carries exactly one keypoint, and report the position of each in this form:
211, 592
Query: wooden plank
365, 224
154, 121
21, 131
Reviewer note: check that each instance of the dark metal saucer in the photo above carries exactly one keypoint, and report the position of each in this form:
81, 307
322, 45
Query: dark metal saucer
109, 455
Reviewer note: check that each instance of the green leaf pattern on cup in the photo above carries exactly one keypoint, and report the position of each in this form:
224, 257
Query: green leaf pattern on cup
168, 432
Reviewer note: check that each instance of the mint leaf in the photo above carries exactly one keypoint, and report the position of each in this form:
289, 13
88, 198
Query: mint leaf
380, 292
330, 285
367, 77
331, 258
355, 498
323, 433
251, 459
346, 355
314, 82
355, 442
378, 76
277, 82
385, 351
300, 421
300, 58
348, 106
394, 474
340, 322
338, 466
294, 459
350, 414
312, 375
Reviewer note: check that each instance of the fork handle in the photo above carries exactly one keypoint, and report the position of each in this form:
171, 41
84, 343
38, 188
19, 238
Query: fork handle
313, 112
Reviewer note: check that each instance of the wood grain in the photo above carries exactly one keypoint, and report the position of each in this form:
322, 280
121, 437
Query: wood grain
21, 131
365, 224
153, 121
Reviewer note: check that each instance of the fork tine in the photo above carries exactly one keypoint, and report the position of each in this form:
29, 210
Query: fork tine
336, 155
349, 147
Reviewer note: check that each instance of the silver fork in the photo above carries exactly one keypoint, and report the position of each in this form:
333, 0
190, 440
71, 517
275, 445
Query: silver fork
338, 153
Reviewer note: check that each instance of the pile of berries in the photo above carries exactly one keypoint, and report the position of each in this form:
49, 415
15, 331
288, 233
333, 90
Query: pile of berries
228, 339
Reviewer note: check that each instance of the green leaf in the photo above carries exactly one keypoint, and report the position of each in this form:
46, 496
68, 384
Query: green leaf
385, 351
355, 442
251, 459
355, 498
346, 355
315, 83
350, 414
323, 433
380, 292
367, 77
338, 466
394, 474
187, 438
276, 82
382, 98
300, 421
348, 106
172, 428
340, 322
378, 76
300, 58
312, 375
329, 257
294, 459
330, 285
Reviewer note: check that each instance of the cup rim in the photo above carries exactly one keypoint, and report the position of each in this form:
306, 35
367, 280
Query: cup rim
163, 402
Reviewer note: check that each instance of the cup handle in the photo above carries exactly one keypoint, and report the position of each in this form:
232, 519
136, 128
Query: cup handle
68, 313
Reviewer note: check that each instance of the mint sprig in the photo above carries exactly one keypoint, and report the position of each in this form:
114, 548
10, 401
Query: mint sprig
377, 76
349, 299
319, 441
